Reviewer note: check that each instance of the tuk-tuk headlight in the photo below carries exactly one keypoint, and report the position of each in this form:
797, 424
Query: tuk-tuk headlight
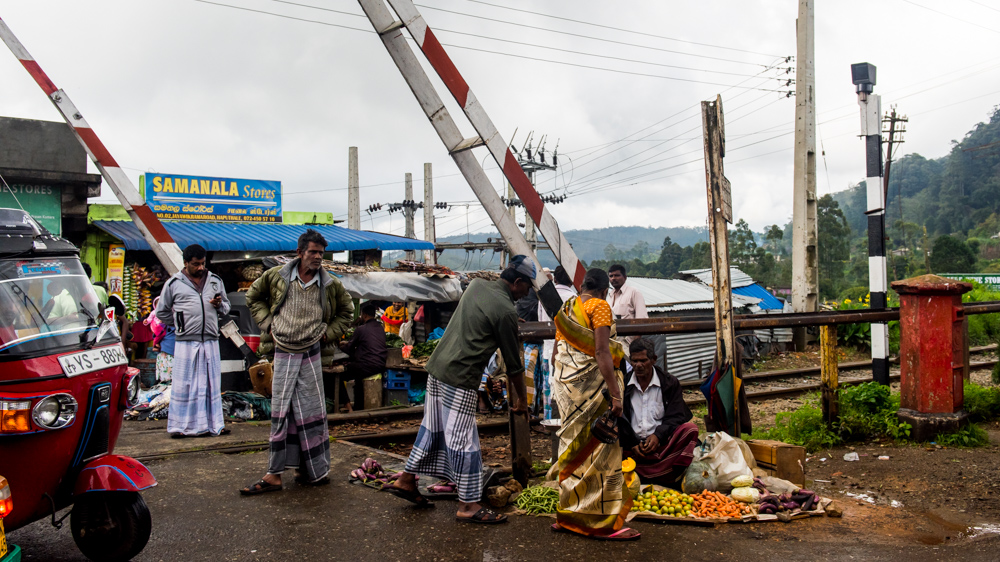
54, 412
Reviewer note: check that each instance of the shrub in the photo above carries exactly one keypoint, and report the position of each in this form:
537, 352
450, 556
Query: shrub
983, 328
971, 435
982, 403
803, 427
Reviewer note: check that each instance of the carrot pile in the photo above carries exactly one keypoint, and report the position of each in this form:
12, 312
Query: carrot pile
714, 504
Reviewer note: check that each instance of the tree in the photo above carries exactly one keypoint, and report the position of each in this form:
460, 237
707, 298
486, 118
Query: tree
742, 246
834, 245
951, 255
774, 234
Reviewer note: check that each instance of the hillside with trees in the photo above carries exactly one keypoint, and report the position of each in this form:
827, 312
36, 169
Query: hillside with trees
942, 216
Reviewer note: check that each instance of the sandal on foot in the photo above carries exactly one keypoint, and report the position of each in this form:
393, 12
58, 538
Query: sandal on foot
177, 436
624, 534
412, 496
484, 516
260, 487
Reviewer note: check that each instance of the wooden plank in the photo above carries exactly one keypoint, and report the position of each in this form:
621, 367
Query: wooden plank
520, 440
780, 459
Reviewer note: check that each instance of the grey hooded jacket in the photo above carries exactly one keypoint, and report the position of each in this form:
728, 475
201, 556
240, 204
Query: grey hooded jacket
190, 312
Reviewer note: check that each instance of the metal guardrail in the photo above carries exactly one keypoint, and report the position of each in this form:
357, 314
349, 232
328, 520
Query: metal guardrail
688, 325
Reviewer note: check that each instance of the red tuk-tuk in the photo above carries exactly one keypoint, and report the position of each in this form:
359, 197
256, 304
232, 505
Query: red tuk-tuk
64, 388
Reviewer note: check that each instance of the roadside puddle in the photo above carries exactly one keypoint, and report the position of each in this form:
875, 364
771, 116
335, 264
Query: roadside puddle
940, 527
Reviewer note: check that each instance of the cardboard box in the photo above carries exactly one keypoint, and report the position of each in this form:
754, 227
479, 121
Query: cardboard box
779, 459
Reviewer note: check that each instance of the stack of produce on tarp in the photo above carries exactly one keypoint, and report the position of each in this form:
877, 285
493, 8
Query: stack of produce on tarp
129, 296
720, 486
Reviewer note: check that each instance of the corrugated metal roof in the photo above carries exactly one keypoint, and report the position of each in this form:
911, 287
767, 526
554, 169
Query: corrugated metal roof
260, 237
666, 295
736, 277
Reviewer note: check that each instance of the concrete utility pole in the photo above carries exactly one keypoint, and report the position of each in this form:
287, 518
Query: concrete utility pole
430, 256
863, 76
720, 215
353, 190
408, 213
805, 268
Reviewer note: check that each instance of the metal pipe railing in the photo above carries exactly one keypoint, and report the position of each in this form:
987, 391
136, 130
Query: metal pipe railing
689, 325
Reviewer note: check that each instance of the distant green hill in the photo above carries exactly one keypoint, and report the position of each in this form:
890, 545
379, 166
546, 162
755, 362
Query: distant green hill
631, 241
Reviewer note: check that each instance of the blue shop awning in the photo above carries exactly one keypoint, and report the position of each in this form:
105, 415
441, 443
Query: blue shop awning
767, 300
260, 237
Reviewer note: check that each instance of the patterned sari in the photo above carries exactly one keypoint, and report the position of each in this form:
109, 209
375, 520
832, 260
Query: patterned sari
593, 496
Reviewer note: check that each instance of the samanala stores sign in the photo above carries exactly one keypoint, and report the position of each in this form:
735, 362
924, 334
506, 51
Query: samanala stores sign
177, 197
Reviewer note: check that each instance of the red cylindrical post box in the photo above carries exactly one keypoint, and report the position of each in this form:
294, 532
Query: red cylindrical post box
931, 353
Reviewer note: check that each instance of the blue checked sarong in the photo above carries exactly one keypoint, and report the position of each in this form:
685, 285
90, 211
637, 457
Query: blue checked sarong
300, 437
196, 390
533, 368
447, 444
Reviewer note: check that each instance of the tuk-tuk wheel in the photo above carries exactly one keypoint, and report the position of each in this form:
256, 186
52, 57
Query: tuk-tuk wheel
110, 526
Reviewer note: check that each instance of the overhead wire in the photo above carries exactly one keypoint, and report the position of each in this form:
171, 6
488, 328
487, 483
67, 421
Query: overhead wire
621, 29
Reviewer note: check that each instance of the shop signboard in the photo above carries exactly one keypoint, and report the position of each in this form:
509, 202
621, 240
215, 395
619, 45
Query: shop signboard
988, 279
197, 198
116, 269
42, 202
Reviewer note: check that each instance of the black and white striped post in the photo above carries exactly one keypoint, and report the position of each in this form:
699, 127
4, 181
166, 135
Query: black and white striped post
863, 76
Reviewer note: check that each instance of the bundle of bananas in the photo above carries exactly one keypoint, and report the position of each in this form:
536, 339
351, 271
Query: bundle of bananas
253, 271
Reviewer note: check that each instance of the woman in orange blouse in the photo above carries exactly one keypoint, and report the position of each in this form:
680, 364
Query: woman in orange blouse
593, 497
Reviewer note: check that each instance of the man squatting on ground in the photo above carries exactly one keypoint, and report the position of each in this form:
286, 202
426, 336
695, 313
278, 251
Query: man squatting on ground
655, 428
192, 301
302, 311
447, 444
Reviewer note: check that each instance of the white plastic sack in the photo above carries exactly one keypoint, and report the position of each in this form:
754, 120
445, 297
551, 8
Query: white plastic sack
726, 459
406, 333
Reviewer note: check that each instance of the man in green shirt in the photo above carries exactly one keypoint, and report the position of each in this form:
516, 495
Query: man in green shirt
447, 443
102, 295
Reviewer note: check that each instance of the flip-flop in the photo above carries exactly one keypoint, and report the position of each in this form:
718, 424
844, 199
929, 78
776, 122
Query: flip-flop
412, 496
177, 436
616, 536
620, 535
260, 487
485, 516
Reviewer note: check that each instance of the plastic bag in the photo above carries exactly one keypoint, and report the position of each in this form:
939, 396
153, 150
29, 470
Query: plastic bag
727, 459
406, 333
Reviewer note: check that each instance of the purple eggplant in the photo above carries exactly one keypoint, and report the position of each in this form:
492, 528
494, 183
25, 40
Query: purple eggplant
810, 502
789, 505
768, 509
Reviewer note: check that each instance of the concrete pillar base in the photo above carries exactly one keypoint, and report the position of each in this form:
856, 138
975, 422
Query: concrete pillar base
925, 427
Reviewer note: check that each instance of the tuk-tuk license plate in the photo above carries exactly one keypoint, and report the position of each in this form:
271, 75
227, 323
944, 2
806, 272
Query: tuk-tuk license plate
92, 360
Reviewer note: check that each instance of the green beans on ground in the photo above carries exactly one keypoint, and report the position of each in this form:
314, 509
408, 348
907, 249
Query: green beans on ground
537, 500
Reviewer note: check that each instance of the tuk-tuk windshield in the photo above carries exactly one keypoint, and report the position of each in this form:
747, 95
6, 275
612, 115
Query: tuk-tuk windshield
47, 305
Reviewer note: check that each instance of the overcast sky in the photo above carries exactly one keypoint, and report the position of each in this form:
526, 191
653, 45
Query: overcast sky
189, 87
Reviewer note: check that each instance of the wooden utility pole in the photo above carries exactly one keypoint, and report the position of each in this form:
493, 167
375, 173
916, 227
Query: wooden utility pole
720, 215
805, 266
353, 190
891, 139
828, 373
408, 212
430, 256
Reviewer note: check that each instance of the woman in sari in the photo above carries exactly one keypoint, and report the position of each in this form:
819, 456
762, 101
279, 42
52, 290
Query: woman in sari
593, 496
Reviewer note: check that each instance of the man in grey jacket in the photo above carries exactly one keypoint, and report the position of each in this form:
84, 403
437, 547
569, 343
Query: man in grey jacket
192, 302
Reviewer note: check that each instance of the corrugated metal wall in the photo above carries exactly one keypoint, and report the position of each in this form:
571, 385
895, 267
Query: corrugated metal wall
685, 356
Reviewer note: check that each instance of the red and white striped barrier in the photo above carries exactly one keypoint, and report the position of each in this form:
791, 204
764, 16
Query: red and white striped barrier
159, 239
487, 131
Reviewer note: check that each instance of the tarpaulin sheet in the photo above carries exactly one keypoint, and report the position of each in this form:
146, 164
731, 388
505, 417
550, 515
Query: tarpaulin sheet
396, 286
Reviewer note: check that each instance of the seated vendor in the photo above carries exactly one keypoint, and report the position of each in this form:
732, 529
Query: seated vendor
655, 427
367, 350
394, 317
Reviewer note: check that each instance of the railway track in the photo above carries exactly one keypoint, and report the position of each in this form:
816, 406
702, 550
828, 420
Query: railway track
374, 439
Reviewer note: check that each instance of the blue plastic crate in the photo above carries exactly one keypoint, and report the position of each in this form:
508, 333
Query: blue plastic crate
396, 376
397, 385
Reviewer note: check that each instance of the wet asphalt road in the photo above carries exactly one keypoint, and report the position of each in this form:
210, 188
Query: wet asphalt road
198, 515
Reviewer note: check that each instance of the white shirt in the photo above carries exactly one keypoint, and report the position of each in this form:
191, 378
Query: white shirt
647, 407
627, 302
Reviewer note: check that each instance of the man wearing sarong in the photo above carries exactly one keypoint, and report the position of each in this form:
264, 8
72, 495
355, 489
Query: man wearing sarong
192, 302
302, 312
447, 444
656, 429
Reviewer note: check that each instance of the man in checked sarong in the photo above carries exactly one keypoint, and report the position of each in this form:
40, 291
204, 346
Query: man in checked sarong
447, 444
302, 312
